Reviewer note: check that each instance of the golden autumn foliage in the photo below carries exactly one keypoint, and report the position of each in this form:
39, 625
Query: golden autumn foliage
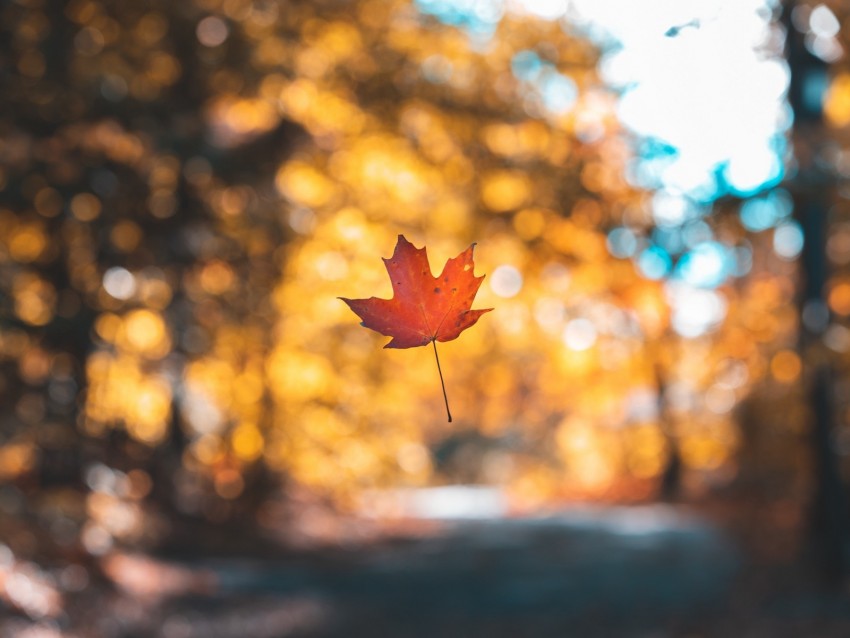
193, 219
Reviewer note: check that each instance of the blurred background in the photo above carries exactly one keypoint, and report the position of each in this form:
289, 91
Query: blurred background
659, 196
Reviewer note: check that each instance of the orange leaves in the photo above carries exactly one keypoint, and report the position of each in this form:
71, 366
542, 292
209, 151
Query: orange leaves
424, 308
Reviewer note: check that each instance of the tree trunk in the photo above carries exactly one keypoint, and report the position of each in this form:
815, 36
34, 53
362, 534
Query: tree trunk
812, 187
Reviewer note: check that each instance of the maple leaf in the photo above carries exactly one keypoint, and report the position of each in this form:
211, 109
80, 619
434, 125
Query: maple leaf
424, 309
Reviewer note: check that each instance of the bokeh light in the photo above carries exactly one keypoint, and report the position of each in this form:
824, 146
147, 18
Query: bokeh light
188, 189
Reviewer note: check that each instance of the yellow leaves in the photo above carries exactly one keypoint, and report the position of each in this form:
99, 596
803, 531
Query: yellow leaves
107, 325
329, 44
599, 177
331, 266
320, 448
217, 277
247, 442
837, 103
235, 120
530, 222
569, 238
298, 98
646, 298
505, 190
341, 39
706, 446
124, 388
592, 455
839, 297
304, 184
785, 366
429, 128
646, 450
120, 391
348, 226
16, 458
223, 407
415, 166
451, 215
383, 171
214, 376
144, 332
498, 379
27, 242
312, 62
529, 139
299, 376
149, 411
125, 236
35, 299
208, 449
321, 112
249, 387
410, 130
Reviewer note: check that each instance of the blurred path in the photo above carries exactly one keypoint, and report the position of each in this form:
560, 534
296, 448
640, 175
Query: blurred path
623, 569
642, 572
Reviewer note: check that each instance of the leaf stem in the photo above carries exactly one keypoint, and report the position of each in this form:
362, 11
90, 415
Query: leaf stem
442, 383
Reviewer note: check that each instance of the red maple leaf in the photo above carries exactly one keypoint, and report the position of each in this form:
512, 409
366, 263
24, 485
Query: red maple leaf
424, 309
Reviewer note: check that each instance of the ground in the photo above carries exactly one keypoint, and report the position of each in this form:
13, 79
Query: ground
652, 571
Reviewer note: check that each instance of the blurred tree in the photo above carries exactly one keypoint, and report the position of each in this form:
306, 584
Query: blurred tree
511, 139
813, 35
137, 240
188, 188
